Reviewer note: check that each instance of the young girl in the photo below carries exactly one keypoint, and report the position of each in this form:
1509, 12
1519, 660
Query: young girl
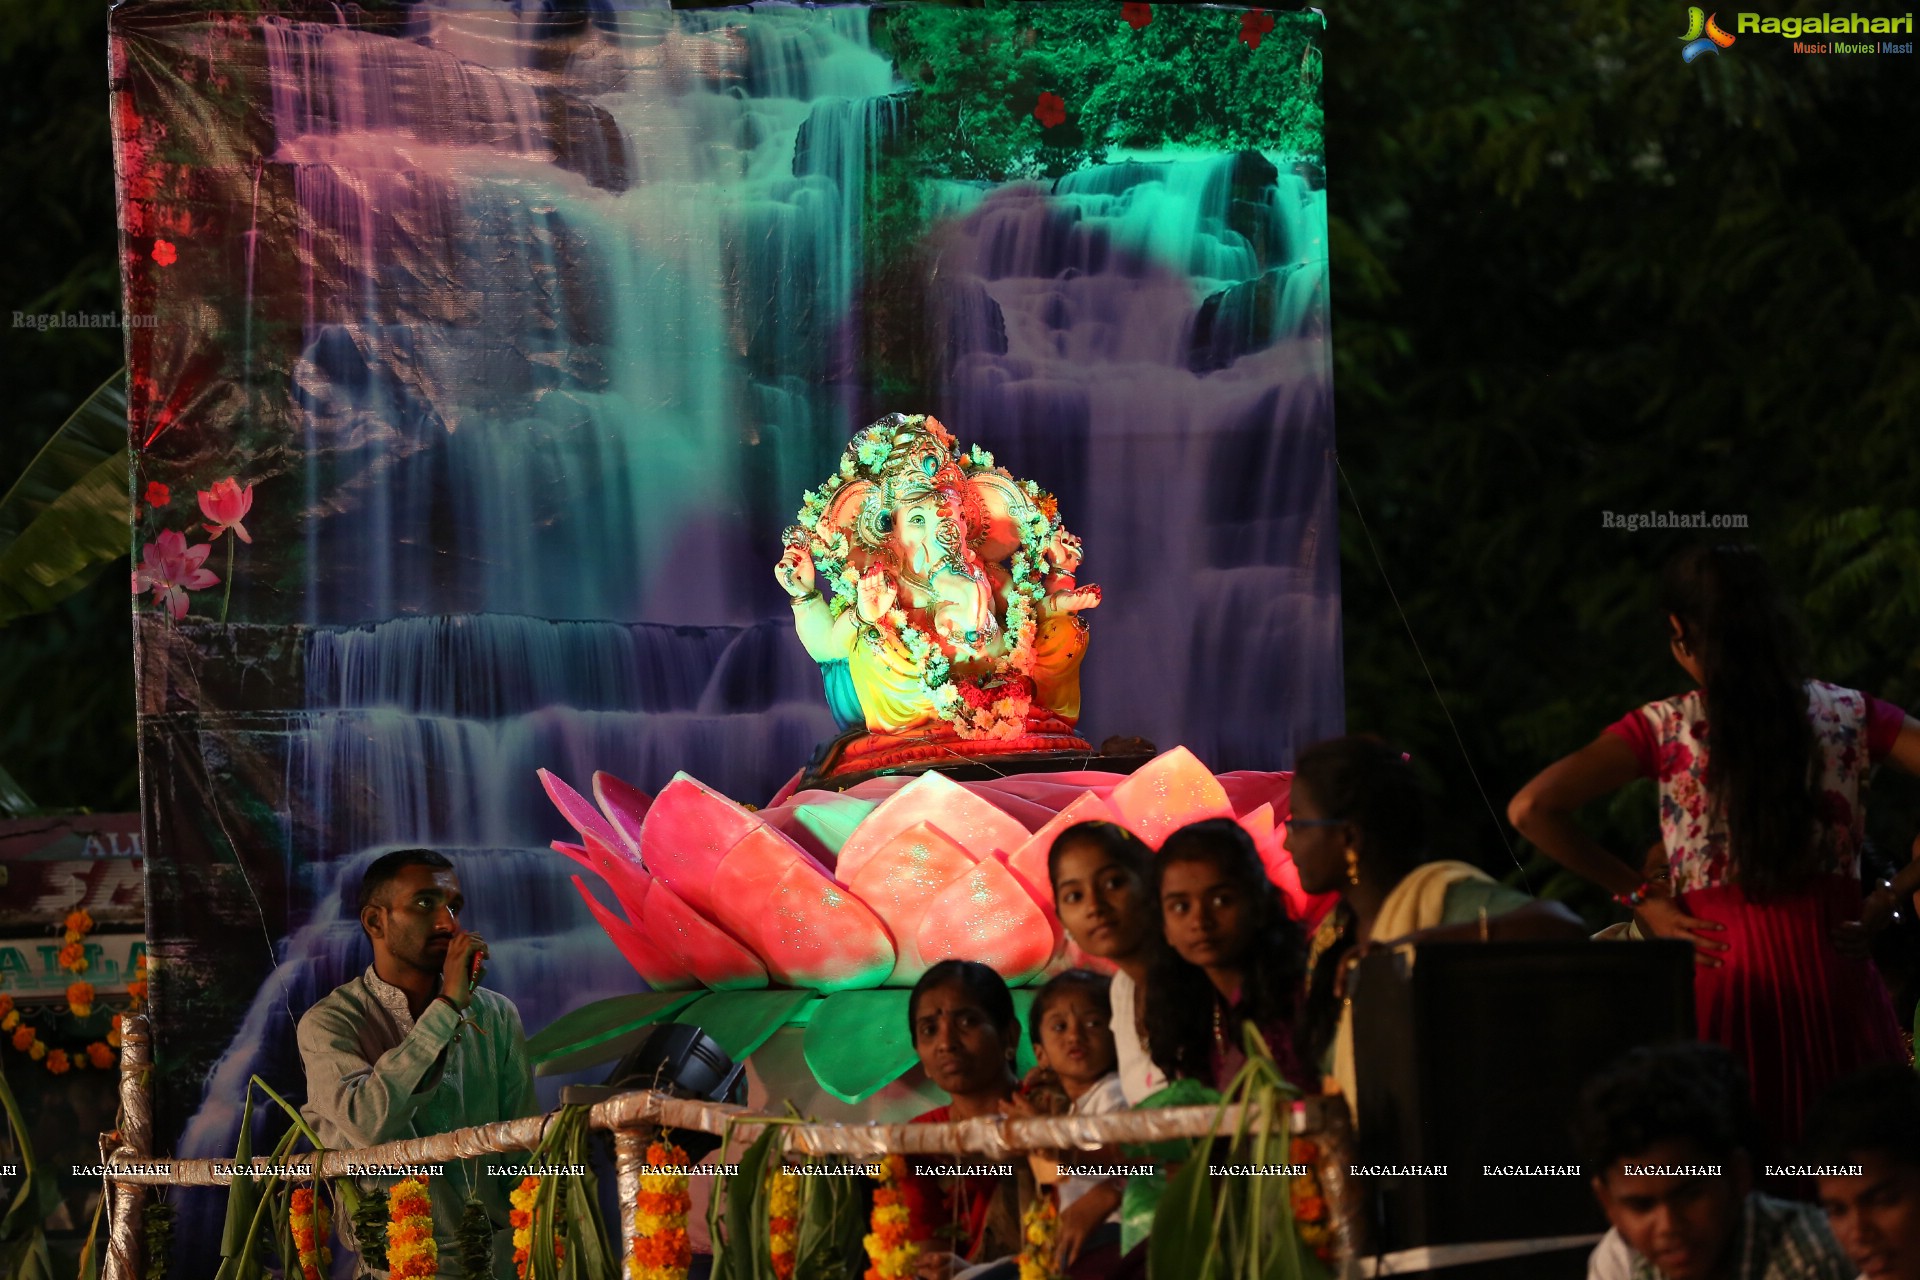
1073, 1045
1102, 878
966, 1033
1233, 958
1762, 775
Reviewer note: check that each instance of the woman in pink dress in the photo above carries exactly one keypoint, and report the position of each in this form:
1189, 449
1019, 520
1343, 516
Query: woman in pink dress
1762, 776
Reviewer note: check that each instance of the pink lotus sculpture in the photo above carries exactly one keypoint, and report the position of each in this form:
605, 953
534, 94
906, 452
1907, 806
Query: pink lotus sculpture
837, 891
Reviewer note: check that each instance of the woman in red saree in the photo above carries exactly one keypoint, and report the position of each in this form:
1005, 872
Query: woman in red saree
1762, 776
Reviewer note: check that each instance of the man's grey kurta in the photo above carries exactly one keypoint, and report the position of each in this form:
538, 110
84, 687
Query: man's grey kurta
375, 1075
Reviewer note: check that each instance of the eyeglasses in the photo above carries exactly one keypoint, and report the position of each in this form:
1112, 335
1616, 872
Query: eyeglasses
1297, 823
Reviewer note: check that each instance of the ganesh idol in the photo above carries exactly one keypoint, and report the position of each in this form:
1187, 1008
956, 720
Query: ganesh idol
937, 593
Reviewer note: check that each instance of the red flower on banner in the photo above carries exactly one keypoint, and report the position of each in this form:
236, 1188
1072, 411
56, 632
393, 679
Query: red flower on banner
1136, 15
169, 568
225, 506
1255, 24
158, 495
163, 253
1051, 110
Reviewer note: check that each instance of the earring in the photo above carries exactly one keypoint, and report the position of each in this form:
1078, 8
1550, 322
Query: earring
1353, 865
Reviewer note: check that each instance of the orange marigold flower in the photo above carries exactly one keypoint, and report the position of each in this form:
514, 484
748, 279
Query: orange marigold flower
23, 1037
100, 1055
57, 1062
73, 957
80, 998
78, 921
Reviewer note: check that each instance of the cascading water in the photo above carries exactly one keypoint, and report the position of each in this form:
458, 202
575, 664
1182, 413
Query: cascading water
577, 330
1149, 336
527, 354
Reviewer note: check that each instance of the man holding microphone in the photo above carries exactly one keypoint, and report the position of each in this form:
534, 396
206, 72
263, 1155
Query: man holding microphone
414, 1046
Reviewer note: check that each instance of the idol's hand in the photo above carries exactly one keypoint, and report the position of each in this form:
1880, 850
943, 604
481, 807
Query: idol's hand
876, 597
795, 572
466, 956
1077, 600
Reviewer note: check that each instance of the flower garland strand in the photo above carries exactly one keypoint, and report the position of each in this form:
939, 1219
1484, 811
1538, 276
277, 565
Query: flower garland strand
661, 1249
411, 1251
523, 1199
891, 1248
783, 1219
312, 1227
1310, 1216
1040, 1228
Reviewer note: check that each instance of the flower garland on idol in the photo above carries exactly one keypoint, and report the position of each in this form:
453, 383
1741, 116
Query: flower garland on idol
312, 1225
783, 1219
893, 1246
661, 1249
411, 1251
991, 705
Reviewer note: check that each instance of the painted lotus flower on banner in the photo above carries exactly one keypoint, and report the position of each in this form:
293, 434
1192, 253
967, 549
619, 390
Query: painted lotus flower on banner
839, 891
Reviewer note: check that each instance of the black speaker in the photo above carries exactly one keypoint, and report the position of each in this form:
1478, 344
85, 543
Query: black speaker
1472, 1055
675, 1059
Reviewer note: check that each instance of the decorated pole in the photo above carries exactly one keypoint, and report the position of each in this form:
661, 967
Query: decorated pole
127, 1199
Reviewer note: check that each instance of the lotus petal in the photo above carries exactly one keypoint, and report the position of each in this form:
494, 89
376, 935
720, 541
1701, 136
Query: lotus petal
710, 955
809, 931
1168, 792
986, 916
1247, 790
964, 818
818, 821
656, 967
688, 830
625, 806
576, 808
900, 882
627, 878
1029, 862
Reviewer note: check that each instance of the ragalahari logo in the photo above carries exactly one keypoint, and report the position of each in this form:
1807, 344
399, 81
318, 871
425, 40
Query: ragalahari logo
1703, 34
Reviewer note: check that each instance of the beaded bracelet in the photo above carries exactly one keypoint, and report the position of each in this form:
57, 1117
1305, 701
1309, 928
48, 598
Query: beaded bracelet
1638, 896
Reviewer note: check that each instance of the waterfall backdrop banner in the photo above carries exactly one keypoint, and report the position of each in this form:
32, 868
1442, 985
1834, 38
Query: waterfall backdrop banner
493, 347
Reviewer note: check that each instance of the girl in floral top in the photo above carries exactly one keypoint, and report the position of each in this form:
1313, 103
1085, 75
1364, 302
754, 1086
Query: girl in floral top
1762, 777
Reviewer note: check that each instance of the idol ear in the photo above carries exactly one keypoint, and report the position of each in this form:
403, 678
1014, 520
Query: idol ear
1005, 505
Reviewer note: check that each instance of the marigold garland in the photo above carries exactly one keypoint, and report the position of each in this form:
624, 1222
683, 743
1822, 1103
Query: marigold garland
523, 1198
661, 1249
783, 1219
411, 1251
312, 1226
80, 998
892, 1250
1040, 1227
1310, 1216
78, 924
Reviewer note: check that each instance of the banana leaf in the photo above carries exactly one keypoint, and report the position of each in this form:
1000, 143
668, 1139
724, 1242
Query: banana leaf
831, 1226
23, 1232
740, 1244
70, 513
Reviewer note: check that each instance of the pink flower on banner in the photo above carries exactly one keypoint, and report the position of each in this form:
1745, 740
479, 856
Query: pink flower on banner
163, 253
158, 495
1136, 15
225, 506
170, 568
1051, 111
1255, 24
